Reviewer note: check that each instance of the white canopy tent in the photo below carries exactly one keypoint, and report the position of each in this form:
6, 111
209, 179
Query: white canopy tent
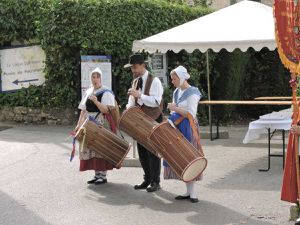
242, 25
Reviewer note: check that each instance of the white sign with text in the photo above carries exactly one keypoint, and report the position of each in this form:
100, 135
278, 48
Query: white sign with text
88, 64
158, 63
21, 67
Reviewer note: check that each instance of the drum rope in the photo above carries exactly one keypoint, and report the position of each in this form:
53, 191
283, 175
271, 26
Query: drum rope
83, 140
166, 152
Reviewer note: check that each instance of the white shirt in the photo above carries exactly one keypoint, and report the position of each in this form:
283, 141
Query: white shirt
155, 93
190, 104
107, 98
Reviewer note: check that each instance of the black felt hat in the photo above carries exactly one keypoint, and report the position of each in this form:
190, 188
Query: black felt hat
135, 59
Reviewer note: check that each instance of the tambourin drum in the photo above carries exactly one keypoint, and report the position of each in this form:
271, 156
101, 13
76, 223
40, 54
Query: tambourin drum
184, 159
138, 125
108, 145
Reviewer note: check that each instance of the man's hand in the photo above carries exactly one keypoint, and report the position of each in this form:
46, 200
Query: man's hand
134, 93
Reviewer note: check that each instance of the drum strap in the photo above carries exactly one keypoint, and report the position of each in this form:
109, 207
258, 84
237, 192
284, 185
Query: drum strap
179, 120
115, 122
196, 134
97, 115
194, 128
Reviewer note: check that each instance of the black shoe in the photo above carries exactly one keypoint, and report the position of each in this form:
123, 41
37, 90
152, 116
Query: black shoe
100, 181
194, 200
153, 187
297, 221
181, 197
93, 180
143, 185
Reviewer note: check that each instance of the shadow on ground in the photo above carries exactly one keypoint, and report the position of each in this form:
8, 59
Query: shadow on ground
247, 176
123, 195
13, 213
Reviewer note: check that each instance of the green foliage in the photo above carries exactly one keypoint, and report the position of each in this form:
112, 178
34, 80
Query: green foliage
185, 2
245, 76
31, 97
265, 76
235, 81
17, 20
67, 29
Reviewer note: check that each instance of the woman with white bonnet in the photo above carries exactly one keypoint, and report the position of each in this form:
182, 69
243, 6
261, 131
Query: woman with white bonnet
95, 104
183, 115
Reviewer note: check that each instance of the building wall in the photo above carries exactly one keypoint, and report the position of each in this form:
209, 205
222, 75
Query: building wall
219, 4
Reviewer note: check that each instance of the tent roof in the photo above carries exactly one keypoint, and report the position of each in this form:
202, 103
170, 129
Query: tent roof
242, 25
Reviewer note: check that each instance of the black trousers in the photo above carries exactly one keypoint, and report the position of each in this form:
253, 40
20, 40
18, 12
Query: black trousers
150, 163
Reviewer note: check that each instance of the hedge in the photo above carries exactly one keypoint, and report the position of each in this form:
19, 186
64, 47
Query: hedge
67, 29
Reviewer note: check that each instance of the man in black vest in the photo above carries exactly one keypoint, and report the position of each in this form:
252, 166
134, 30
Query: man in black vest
146, 92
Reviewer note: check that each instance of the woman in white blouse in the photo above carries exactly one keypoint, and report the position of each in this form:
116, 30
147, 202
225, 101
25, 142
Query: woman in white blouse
185, 103
94, 104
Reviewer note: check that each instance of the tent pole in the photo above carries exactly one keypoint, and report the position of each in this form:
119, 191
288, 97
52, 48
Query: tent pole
208, 92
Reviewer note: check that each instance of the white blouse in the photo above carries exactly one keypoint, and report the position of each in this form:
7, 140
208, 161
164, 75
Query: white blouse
107, 99
190, 104
155, 93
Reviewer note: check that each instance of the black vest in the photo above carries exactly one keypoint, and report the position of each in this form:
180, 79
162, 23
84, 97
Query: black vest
90, 105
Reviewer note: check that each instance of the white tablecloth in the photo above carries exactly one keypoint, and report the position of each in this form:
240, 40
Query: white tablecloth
275, 120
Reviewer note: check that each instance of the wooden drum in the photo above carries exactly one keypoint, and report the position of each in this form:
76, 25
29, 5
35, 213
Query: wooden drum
138, 125
184, 159
110, 146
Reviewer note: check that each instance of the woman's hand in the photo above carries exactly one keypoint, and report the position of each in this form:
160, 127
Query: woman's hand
94, 98
172, 106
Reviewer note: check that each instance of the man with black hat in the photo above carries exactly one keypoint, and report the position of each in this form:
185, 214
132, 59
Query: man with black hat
146, 92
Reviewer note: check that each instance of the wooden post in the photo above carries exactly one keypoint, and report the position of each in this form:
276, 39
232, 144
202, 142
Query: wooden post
208, 94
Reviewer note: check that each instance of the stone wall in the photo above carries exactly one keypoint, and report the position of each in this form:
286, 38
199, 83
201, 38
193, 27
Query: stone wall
52, 116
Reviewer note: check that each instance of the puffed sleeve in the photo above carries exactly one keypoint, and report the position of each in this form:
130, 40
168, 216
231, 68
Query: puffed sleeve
108, 99
192, 104
82, 105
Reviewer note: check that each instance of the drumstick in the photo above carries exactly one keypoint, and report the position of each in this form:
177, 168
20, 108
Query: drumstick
171, 123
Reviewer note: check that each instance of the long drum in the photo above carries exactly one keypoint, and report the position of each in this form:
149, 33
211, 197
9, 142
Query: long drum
138, 125
111, 147
184, 159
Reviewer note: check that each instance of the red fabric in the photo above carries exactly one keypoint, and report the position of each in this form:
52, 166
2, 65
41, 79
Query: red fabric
289, 191
111, 122
96, 164
287, 14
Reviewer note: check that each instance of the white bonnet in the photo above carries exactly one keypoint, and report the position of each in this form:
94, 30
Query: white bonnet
182, 73
97, 70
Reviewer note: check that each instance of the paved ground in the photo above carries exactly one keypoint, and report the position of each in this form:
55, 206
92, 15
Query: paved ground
38, 185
